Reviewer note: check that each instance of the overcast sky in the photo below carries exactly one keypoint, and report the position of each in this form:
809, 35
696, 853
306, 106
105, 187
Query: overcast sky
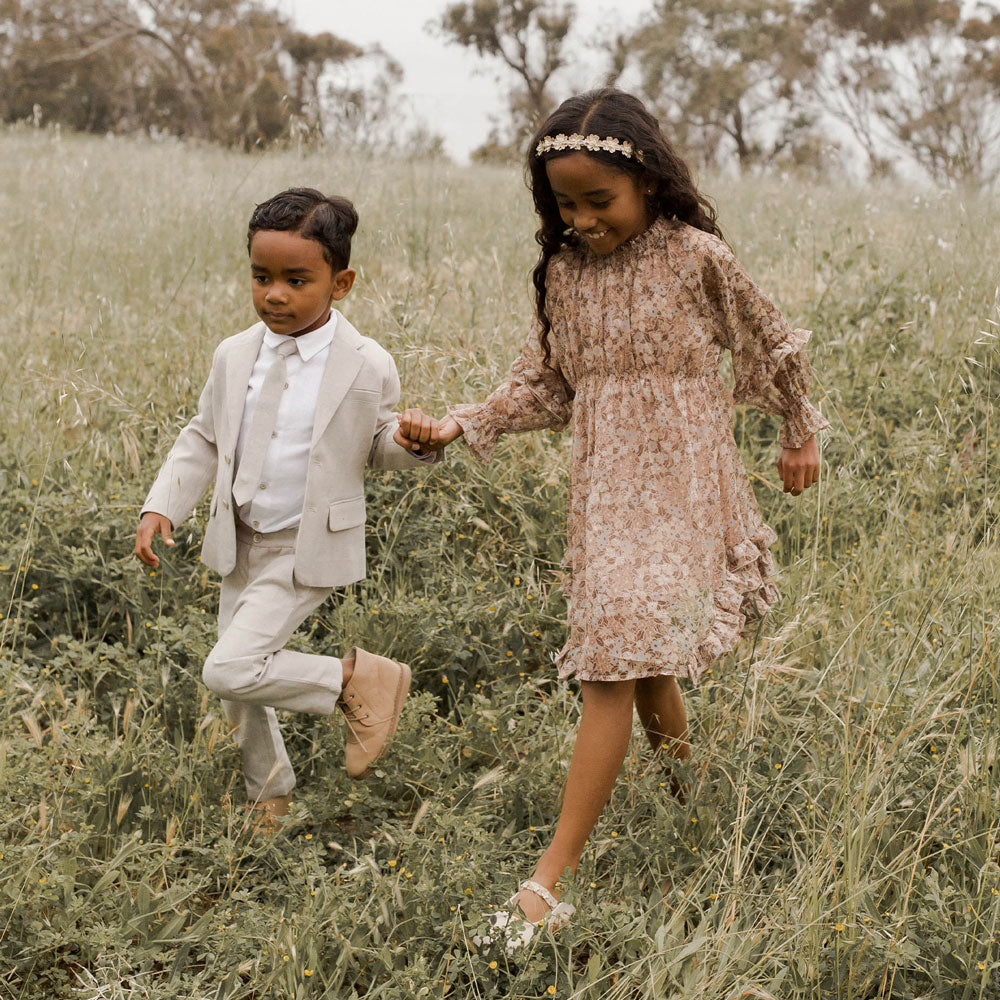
451, 88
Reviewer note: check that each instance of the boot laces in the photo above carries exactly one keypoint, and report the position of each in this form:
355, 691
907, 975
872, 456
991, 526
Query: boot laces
355, 710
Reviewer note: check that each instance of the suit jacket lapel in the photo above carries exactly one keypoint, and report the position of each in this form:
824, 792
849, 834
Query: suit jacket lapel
342, 366
239, 368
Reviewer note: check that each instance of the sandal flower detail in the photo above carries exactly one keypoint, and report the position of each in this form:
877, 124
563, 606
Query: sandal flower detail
514, 930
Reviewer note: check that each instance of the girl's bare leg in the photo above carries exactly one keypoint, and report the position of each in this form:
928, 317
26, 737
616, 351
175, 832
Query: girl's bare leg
658, 701
601, 744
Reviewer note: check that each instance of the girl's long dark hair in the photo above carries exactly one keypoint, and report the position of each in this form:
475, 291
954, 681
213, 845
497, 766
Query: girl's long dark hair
610, 113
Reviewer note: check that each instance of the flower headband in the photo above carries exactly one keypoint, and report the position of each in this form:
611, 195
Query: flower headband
592, 142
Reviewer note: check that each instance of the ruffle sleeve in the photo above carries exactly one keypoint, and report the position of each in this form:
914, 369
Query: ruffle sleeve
534, 396
770, 366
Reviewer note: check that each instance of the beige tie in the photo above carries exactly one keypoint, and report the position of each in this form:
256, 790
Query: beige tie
265, 415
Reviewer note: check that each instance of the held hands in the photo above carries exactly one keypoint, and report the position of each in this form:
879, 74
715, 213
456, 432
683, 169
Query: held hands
420, 433
799, 467
151, 524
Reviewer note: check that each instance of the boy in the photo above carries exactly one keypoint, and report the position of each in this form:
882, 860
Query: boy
294, 409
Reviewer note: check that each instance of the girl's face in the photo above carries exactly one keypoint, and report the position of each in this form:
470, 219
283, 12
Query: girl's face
604, 205
293, 285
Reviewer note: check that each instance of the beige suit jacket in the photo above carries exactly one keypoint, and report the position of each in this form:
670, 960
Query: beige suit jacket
353, 427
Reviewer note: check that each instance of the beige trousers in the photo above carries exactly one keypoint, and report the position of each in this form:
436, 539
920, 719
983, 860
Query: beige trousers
260, 606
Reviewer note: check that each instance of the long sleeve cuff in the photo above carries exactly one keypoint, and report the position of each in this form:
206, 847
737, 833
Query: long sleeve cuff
480, 428
800, 423
792, 380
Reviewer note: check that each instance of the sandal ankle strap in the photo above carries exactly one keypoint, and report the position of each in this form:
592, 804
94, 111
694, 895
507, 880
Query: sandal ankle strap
539, 890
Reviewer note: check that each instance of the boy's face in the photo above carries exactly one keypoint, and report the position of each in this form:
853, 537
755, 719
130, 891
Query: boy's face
293, 285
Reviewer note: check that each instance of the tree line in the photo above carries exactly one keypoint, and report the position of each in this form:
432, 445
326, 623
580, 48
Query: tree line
228, 71
761, 83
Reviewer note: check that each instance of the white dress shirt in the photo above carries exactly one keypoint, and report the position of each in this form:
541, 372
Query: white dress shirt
278, 503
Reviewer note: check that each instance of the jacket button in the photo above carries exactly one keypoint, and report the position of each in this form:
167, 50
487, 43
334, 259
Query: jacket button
228, 460
225, 503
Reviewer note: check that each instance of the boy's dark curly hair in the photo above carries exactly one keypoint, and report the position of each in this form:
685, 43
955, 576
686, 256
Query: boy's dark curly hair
610, 113
329, 220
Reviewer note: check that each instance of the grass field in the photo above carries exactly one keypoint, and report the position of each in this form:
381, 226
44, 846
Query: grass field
840, 839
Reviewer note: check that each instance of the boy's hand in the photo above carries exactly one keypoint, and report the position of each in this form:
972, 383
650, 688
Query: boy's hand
419, 432
416, 431
799, 467
151, 524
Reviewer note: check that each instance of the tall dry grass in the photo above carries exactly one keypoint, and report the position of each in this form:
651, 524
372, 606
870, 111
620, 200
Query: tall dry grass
839, 839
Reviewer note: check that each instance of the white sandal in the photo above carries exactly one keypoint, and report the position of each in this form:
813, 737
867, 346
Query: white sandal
517, 931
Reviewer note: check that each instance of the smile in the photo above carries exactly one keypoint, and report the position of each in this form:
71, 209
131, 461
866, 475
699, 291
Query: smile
597, 236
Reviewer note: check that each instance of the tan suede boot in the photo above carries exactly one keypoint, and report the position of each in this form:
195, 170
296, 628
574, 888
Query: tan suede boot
371, 702
266, 811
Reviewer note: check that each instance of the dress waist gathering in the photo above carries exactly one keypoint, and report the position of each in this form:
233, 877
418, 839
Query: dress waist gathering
649, 375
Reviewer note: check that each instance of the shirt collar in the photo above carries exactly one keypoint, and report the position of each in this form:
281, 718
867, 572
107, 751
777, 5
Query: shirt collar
307, 344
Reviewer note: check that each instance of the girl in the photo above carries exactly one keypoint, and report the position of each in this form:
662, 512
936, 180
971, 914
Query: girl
667, 558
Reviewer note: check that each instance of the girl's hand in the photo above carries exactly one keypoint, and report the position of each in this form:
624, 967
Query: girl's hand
799, 467
448, 430
151, 524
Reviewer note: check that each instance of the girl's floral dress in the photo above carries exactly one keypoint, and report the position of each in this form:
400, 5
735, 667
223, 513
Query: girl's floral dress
667, 556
